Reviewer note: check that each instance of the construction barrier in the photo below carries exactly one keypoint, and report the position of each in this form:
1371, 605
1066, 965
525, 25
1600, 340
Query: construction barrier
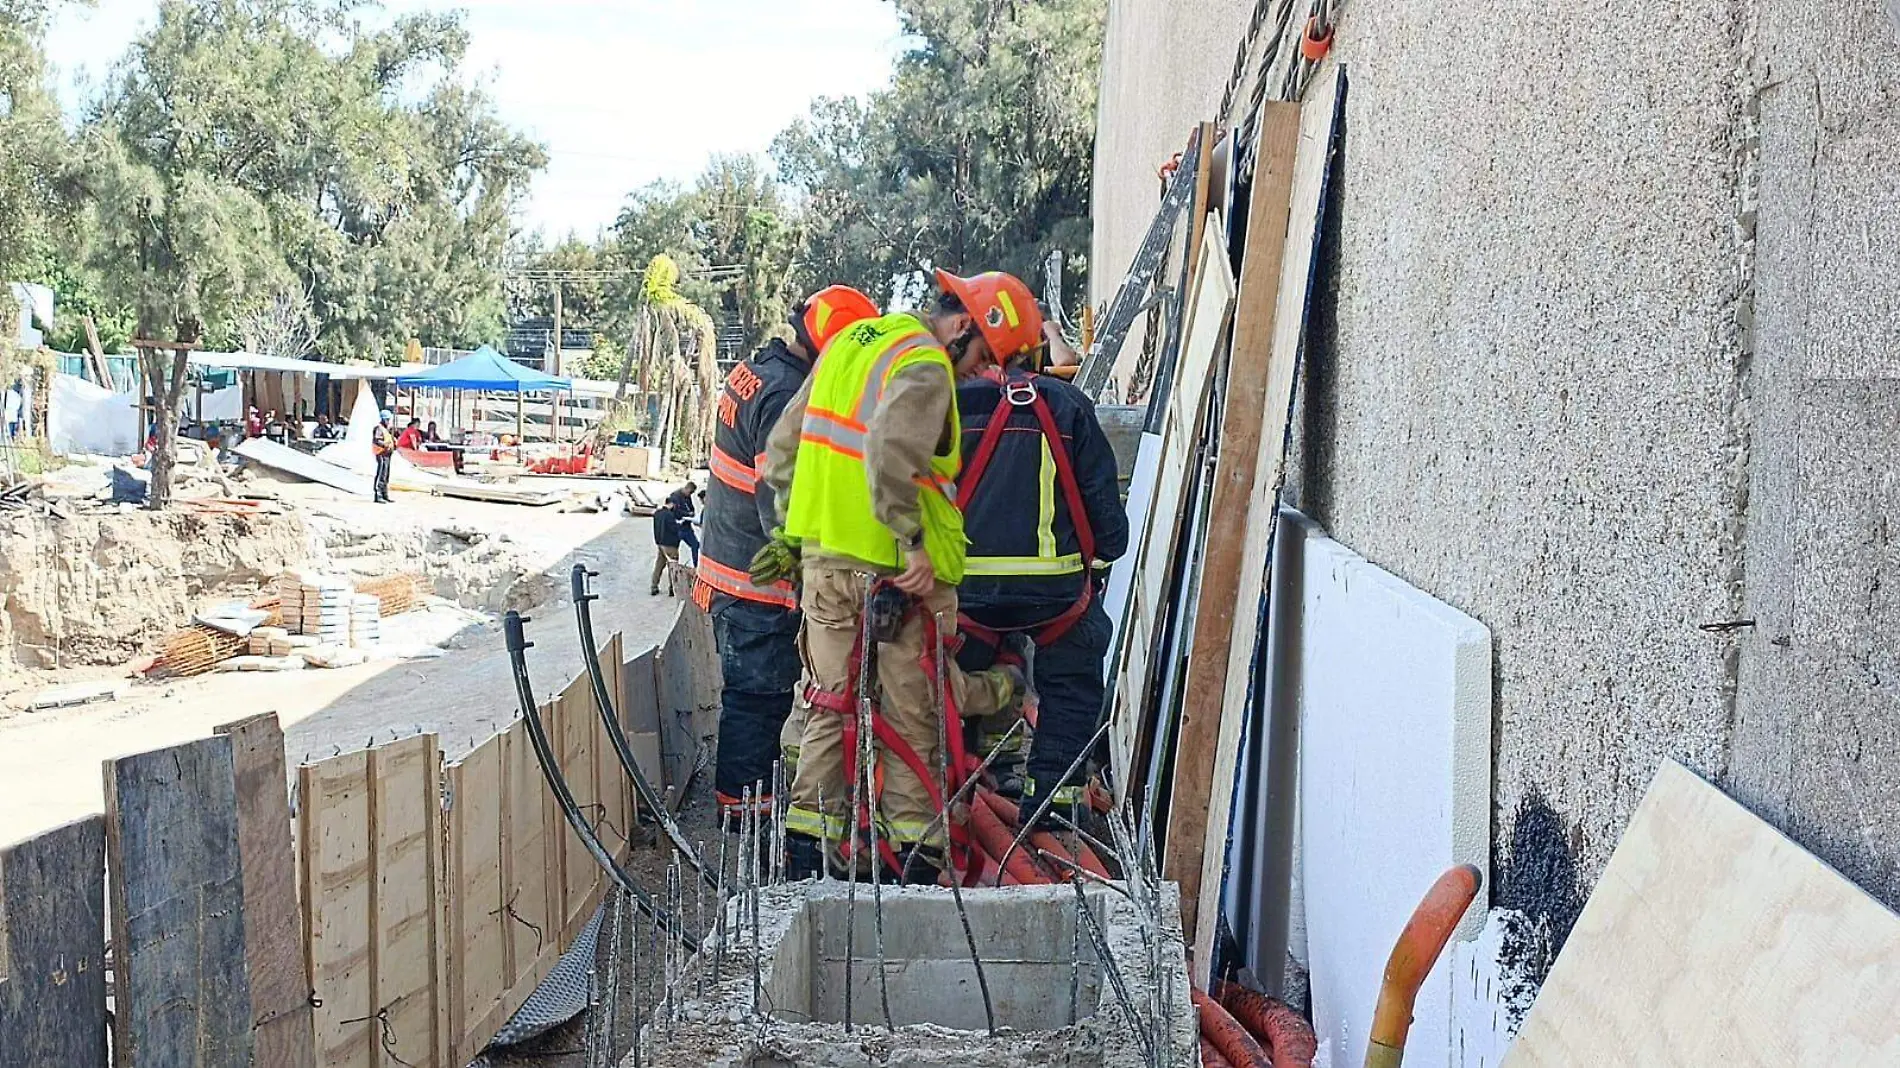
413, 910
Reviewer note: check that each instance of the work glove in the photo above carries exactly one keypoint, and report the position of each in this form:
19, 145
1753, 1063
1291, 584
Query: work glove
776, 559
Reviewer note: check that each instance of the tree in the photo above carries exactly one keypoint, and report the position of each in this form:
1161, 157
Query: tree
31, 142
977, 157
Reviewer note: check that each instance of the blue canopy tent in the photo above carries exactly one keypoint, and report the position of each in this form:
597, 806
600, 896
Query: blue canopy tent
488, 371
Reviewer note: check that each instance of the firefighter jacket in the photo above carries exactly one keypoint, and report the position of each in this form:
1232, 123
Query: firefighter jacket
739, 508
869, 449
1025, 549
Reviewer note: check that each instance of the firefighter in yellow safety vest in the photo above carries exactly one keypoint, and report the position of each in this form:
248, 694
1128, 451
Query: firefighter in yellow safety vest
862, 465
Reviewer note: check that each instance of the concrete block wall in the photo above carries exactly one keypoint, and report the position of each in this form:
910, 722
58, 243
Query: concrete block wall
1607, 356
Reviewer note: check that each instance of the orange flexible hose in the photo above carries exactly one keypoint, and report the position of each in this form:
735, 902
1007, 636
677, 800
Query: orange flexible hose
995, 838
1286, 1033
1218, 1026
1210, 1055
1418, 948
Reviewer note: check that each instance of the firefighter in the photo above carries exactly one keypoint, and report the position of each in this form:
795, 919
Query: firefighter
868, 449
756, 626
1043, 509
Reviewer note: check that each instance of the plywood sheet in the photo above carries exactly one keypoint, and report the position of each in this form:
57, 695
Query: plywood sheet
405, 780
52, 948
1394, 783
1211, 307
532, 942
279, 970
1712, 939
334, 822
476, 956
1201, 794
181, 991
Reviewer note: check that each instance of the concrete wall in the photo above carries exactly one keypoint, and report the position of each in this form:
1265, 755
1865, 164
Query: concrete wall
1607, 355
1164, 64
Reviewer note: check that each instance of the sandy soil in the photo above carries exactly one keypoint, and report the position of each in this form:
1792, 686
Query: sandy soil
50, 761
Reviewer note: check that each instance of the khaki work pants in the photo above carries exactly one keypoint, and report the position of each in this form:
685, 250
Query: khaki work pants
662, 556
833, 603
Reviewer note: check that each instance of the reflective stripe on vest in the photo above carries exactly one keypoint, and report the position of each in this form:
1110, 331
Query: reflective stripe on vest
737, 474
830, 503
1005, 566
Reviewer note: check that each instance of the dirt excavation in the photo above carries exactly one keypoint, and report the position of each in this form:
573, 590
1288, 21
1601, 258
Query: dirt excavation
89, 594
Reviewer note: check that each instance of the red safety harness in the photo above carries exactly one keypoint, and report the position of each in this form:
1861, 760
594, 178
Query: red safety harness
1019, 391
961, 764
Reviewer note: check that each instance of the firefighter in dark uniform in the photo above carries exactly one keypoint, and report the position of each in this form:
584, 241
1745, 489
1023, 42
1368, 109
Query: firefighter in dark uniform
1042, 509
754, 626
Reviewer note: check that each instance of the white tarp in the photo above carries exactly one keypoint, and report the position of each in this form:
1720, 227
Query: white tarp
84, 418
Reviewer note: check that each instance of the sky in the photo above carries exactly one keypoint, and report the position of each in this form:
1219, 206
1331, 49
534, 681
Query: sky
622, 92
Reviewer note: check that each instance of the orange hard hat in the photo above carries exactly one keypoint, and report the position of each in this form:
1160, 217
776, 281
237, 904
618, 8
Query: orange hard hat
826, 313
1003, 307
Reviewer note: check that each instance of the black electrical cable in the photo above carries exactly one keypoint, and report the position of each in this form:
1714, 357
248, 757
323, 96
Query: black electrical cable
610, 719
518, 647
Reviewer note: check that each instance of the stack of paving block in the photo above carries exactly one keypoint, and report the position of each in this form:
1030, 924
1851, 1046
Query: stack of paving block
290, 586
262, 639
366, 620
326, 610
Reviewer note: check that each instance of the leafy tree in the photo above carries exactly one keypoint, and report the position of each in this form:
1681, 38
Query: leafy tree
977, 157
31, 141
251, 148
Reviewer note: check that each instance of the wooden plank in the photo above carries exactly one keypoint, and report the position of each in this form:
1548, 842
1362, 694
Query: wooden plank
1712, 939
476, 958
278, 965
580, 734
640, 705
177, 899
1230, 516
52, 948
334, 819
1312, 167
531, 945
1155, 557
615, 789
405, 782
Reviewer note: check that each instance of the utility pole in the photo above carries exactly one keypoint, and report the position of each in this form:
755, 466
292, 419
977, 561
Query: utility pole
554, 402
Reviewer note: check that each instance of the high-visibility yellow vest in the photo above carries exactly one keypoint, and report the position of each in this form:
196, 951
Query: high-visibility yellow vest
830, 504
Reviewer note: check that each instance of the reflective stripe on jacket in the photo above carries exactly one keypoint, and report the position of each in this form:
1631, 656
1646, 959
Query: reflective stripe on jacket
1024, 549
831, 505
739, 510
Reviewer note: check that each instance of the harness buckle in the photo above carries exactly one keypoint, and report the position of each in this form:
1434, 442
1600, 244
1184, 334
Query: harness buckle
1020, 392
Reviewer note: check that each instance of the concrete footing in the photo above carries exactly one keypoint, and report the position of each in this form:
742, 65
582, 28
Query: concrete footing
1051, 993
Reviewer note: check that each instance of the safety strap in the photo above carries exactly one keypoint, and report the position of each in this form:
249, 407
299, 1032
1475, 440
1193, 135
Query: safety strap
1058, 451
961, 764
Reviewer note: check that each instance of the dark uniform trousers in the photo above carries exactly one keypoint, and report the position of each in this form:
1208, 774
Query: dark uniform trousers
758, 654
1069, 687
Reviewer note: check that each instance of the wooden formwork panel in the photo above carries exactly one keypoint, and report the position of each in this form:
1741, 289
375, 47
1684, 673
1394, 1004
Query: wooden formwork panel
52, 948
475, 934
339, 898
277, 961
530, 945
181, 991
406, 829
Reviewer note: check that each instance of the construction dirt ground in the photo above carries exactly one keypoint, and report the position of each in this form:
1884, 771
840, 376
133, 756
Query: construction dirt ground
129, 577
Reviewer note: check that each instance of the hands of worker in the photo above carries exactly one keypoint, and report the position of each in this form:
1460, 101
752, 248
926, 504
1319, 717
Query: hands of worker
776, 559
919, 576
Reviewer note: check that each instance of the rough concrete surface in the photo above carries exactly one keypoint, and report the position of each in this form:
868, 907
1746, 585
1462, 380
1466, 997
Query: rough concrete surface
1526, 405
1604, 354
1817, 741
719, 1029
1164, 64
